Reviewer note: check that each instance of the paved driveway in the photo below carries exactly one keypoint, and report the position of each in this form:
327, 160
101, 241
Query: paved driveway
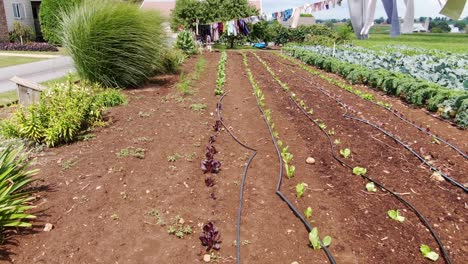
36, 71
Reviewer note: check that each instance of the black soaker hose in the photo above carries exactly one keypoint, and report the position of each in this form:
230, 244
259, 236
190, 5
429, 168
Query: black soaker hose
398, 197
461, 152
244, 173
280, 180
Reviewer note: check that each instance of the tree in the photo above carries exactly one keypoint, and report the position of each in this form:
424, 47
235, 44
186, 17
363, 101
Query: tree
49, 17
460, 25
187, 12
261, 31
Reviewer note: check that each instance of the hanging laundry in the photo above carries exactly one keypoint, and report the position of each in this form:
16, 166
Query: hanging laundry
220, 28
453, 8
243, 27
369, 15
231, 29
215, 31
356, 13
288, 14
391, 9
408, 20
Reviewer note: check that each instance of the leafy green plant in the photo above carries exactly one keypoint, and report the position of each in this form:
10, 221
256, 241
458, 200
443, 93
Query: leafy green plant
371, 187
186, 42
359, 171
428, 253
113, 43
337, 142
315, 239
221, 79
179, 228
64, 111
308, 212
345, 152
290, 170
198, 107
15, 200
300, 189
395, 215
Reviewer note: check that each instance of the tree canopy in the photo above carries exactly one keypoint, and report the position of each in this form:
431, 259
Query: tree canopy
187, 12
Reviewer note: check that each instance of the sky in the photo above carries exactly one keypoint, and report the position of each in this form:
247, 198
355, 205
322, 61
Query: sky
425, 8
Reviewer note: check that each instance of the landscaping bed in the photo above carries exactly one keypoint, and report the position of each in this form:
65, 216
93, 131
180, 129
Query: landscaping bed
117, 196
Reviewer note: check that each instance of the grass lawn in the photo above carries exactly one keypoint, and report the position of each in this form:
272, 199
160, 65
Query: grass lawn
6, 61
456, 43
74, 77
8, 97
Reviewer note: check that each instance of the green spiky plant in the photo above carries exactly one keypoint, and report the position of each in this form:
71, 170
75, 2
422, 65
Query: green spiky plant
113, 43
15, 200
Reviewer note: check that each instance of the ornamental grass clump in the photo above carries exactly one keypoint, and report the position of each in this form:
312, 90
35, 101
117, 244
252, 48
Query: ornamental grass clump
114, 43
15, 200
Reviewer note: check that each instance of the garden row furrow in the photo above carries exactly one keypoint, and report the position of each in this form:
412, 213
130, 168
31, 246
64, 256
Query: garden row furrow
456, 168
370, 98
307, 111
332, 191
314, 238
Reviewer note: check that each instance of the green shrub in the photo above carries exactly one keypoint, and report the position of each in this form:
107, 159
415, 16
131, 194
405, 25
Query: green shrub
14, 179
319, 40
21, 33
49, 17
114, 43
186, 42
462, 115
64, 111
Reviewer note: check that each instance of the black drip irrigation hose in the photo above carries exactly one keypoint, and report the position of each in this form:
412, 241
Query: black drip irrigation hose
397, 196
244, 173
461, 152
406, 146
282, 196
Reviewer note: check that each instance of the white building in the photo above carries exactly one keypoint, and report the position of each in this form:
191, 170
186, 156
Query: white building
23, 11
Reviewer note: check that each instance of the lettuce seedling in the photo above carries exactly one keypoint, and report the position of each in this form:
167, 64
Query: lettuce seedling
395, 215
308, 212
345, 152
290, 170
315, 239
300, 189
359, 171
371, 187
428, 253
337, 142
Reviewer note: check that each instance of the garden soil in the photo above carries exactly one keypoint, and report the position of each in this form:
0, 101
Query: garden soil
106, 208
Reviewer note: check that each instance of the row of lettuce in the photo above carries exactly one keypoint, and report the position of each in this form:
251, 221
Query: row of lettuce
449, 103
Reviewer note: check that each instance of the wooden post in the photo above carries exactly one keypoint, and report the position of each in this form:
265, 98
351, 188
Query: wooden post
28, 92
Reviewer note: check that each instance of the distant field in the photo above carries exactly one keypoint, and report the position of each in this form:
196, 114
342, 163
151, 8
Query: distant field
457, 43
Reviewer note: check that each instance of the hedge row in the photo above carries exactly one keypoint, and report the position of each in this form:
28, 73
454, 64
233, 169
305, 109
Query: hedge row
32, 46
449, 103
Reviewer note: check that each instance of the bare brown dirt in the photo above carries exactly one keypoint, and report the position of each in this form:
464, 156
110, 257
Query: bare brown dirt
102, 206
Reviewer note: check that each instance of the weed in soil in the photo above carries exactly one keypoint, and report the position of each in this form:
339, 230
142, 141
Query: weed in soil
131, 152
179, 228
198, 107
174, 157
